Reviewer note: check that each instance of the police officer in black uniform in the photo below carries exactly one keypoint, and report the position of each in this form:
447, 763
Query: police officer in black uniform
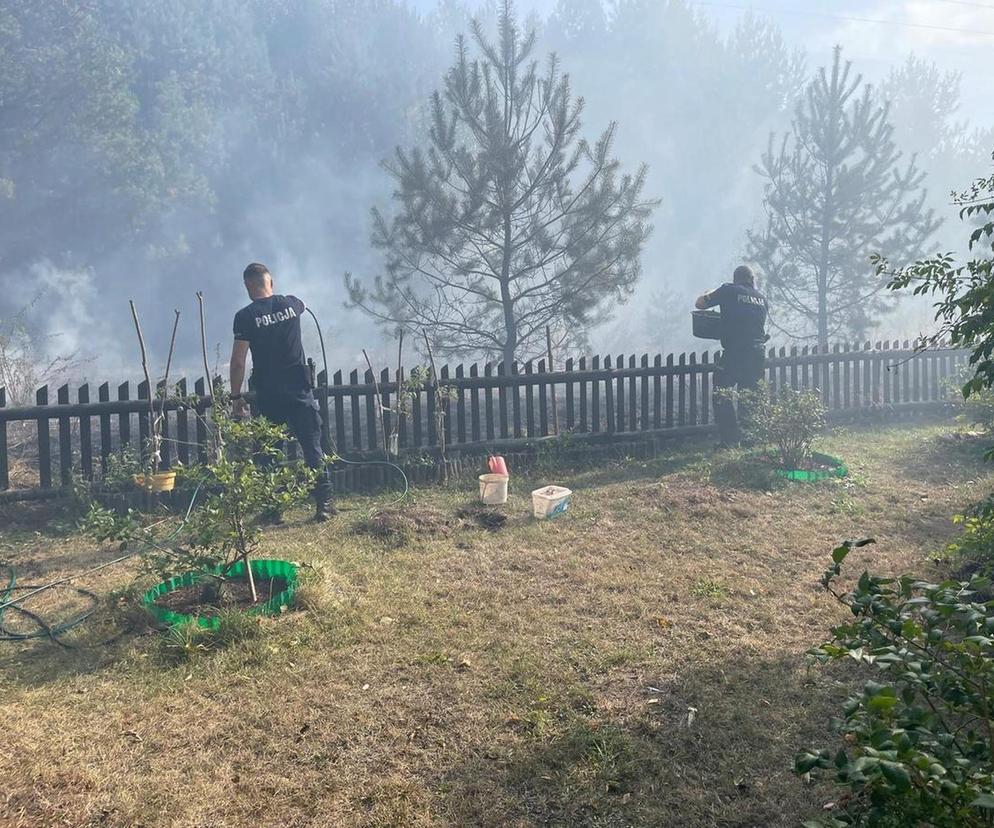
743, 337
270, 328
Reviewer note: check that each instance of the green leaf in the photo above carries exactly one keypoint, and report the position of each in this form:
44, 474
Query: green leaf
896, 774
840, 552
881, 704
985, 800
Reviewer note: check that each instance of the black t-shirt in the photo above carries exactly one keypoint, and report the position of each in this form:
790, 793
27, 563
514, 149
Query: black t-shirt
743, 314
271, 326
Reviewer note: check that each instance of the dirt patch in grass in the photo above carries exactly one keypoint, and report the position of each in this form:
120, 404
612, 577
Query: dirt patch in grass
399, 526
210, 598
483, 517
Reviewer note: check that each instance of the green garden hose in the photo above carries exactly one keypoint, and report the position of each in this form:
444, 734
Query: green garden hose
52, 631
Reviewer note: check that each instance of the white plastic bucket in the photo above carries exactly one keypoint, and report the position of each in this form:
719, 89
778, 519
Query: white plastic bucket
550, 501
493, 489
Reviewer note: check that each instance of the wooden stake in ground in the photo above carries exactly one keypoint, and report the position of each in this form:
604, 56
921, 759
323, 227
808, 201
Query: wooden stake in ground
203, 345
148, 384
208, 378
165, 377
552, 386
439, 410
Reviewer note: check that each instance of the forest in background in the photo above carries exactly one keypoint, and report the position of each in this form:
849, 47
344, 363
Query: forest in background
150, 149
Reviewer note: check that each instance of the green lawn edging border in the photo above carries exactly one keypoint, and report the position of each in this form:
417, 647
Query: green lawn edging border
261, 568
838, 469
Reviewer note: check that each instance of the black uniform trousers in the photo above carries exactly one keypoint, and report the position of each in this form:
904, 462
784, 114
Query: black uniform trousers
300, 414
740, 367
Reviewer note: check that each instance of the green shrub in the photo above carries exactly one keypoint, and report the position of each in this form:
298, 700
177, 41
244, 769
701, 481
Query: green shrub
974, 548
917, 744
978, 407
247, 478
786, 421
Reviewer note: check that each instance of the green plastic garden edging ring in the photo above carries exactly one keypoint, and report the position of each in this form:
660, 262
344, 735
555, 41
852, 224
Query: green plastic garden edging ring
837, 469
262, 569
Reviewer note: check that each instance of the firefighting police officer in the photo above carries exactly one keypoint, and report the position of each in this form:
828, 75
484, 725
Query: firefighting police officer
743, 336
270, 328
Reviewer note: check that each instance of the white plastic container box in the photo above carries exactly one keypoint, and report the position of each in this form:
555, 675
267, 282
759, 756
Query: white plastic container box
493, 489
550, 501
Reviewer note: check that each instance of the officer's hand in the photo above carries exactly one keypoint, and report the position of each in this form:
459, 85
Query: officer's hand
239, 408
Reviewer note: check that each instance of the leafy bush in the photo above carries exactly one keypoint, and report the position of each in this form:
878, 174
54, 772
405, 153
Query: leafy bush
787, 421
974, 548
978, 406
918, 745
247, 479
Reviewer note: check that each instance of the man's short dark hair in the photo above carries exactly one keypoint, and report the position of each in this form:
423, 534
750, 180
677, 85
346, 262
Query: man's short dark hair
743, 275
255, 272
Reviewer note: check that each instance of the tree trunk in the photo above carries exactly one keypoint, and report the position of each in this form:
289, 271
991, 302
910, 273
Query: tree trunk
510, 323
823, 264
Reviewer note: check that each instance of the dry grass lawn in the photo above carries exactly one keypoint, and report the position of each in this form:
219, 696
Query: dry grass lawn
638, 662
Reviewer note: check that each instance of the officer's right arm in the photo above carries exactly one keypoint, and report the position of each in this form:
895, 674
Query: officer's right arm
708, 300
236, 368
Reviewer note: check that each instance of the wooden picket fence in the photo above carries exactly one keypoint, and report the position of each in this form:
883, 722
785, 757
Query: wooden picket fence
600, 399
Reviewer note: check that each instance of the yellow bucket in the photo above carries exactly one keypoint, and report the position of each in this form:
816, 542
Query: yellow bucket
161, 482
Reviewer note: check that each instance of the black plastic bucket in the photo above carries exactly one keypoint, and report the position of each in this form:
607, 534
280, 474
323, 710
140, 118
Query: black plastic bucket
706, 324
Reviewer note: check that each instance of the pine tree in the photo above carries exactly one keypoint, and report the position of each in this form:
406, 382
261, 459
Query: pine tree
507, 220
837, 190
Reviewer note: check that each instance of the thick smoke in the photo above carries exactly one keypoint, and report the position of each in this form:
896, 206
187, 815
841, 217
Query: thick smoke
205, 136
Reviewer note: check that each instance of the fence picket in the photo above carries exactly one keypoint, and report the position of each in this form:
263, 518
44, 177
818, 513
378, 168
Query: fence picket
356, 415
340, 416
166, 446
143, 422
875, 372
632, 398
65, 439
609, 397
682, 391
446, 405
885, 371
502, 372
595, 398
657, 392
618, 387
570, 400
543, 406
474, 405
530, 428
584, 422
200, 391
387, 412
488, 395
182, 425
516, 402
324, 406
669, 390
645, 393
692, 378
85, 436
460, 406
103, 395
706, 388
44, 442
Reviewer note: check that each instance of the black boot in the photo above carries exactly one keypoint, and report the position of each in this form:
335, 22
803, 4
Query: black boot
325, 511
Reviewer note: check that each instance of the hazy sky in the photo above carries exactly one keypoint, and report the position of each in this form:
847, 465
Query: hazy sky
876, 34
